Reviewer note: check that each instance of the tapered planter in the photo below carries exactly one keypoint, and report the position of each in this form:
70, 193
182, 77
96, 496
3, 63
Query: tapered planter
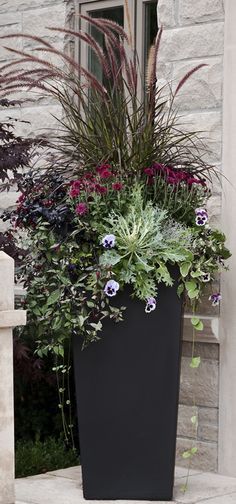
127, 388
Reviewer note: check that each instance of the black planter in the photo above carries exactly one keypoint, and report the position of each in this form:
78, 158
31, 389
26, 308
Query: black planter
127, 388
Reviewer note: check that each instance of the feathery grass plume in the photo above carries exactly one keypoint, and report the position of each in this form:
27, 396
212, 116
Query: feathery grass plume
187, 76
106, 119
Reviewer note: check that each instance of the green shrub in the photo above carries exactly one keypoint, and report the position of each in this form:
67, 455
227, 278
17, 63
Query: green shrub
35, 457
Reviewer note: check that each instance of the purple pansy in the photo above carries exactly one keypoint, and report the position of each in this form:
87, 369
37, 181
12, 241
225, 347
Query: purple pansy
206, 277
111, 288
151, 305
201, 216
215, 298
109, 241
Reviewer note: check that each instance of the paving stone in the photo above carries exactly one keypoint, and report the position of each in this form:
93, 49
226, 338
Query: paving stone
70, 472
207, 486
202, 488
55, 490
224, 499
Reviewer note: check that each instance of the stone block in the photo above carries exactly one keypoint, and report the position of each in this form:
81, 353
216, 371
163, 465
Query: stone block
208, 424
199, 384
204, 350
209, 334
8, 200
185, 427
166, 13
198, 41
203, 90
22, 5
208, 126
191, 12
39, 120
10, 23
205, 307
205, 458
36, 22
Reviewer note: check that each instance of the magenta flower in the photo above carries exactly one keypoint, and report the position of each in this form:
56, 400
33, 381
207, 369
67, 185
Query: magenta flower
117, 186
81, 209
100, 189
74, 192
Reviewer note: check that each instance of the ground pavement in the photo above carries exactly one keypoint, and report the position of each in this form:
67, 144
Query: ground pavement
65, 487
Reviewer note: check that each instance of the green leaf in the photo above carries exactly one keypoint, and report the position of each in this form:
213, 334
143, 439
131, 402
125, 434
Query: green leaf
186, 454
109, 258
194, 419
196, 274
97, 327
191, 286
184, 268
197, 323
193, 450
193, 294
53, 298
195, 362
180, 289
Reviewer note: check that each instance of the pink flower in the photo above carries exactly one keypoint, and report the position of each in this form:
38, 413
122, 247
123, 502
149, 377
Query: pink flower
81, 208
74, 192
100, 189
104, 171
117, 186
149, 171
76, 184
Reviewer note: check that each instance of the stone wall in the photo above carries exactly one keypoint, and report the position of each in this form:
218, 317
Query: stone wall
30, 16
193, 34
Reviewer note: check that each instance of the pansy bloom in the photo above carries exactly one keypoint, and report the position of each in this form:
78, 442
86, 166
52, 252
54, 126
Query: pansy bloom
215, 298
151, 305
206, 277
109, 241
111, 288
201, 216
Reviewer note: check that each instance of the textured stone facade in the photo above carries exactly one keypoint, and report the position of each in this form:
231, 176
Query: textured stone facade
193, 34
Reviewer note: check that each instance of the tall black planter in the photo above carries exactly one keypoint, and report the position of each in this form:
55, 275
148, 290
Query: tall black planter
127, 389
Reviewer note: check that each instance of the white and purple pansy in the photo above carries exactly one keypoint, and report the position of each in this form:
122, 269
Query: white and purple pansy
206, 277
111, 288
201, 216
215, 298
151, 305
109, 241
